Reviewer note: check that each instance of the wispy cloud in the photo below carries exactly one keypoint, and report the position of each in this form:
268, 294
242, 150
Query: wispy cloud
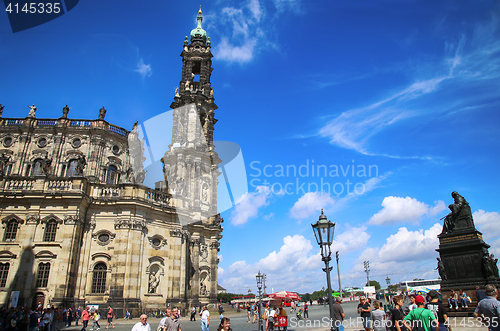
466, 60
144, 69
246, 30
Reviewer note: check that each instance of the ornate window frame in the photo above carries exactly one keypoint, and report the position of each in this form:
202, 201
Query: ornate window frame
162, 241
95, 236
6, 221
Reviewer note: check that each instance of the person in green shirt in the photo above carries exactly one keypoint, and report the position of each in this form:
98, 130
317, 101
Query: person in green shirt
421, 317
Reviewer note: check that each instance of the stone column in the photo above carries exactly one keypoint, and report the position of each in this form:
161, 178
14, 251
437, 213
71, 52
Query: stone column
195, 288
214, 249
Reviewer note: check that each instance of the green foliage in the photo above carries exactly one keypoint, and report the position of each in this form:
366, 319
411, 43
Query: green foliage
226, 297
418, 279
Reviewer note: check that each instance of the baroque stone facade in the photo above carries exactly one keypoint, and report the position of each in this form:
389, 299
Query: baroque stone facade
79, 227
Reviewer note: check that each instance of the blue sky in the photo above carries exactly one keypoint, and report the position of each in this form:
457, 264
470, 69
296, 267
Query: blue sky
406, 89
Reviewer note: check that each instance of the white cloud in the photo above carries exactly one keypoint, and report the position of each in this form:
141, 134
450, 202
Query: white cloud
405, 254
237, 266
352, 239
254, 6
291, 256
248, 205
411, 245
144, 69
488, 223
398, 209
310, 204
232, 53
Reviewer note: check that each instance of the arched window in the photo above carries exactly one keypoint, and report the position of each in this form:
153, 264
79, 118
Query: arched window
37, 168
111, 175
72, 170
42, 278
4, 272
11, 231
50, 231
99, 278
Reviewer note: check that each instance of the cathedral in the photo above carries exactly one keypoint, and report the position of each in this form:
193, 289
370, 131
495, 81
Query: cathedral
78, 225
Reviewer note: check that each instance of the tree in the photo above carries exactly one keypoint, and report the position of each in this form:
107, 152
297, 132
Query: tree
374, 283
417, 279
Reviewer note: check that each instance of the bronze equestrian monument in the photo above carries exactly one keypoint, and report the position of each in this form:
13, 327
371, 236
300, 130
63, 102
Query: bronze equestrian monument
465, 261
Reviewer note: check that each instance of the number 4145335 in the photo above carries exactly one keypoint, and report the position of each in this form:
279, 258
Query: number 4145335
40, 8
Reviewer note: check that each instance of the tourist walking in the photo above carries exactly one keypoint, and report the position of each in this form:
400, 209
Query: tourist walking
111, 315
176, 321
306, 310
193, 314
439, 311
338, 315
480, 294
78, 315
205, 319
271, 318
143, 325
412, 305
97, 317
85, 318
364, 311
396, 320
166, 321
378, 317
421, 318
488, 309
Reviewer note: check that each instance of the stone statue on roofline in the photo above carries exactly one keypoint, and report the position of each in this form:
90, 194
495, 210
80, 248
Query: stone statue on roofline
32, 112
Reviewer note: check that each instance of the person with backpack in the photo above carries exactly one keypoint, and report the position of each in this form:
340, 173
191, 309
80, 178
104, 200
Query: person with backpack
439, 311
421, 318
395, 318
378, 317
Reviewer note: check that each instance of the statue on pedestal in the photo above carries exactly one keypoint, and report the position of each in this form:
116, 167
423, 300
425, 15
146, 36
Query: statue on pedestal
460, 211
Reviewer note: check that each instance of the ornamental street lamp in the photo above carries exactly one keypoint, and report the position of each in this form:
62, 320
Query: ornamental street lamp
323, 231
260, 278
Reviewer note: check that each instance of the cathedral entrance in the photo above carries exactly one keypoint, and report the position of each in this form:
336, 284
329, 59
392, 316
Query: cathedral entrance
39, 300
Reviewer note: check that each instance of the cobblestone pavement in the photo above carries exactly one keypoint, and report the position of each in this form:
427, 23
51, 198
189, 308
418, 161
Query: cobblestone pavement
318, 321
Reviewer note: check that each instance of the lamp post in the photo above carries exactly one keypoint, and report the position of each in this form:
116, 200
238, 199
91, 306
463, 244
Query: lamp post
260, 278
323, 231
338, 272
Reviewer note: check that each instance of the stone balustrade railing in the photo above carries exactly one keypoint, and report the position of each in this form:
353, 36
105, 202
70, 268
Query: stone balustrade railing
82, 186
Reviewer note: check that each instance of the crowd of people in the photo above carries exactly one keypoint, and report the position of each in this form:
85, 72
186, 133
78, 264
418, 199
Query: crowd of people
427, 314
46, 319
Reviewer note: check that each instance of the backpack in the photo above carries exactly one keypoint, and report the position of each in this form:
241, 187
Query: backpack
389, 326
419, 325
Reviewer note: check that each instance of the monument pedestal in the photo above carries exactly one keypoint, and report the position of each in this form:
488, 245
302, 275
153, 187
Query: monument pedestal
465, 261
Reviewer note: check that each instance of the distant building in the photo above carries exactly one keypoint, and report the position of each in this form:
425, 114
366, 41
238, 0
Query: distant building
78, 225
220, 289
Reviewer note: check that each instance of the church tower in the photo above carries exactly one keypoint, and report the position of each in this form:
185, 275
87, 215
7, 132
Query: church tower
191, 165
